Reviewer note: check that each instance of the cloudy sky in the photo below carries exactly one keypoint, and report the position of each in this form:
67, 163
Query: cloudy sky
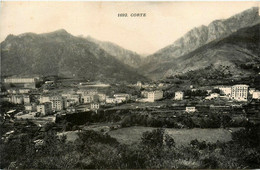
164, 22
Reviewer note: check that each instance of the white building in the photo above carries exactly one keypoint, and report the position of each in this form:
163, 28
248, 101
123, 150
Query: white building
94, 106
110, 100
224, 90
239, 92
122, 97
155, 95
45, 108
139, 84
44, 99
190, 109
87, 98
178, 95
251, 91
28, 107
256, 95
212, 96
24, 91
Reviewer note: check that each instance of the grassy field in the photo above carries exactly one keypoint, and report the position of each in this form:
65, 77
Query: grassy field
181, 136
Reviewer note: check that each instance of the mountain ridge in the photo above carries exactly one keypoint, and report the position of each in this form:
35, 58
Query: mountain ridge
202, 35
60, 53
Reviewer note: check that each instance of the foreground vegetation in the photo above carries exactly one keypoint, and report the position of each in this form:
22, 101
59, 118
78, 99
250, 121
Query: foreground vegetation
98, 150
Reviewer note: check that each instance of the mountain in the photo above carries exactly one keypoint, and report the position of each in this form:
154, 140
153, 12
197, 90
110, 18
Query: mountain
200, 36
60, 53
237, 54
126, 56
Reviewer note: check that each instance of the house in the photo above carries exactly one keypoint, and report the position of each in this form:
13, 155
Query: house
139, 84
45, 108
212, 96
101, 97
12, 91
239, 92
154, 95
24, 91
121, 97
251, 91
87, 99
44, 99
256, 95
110, 100
190, 109
71, 110
94, 106
144, 93
224, 90
178, 95
28, 107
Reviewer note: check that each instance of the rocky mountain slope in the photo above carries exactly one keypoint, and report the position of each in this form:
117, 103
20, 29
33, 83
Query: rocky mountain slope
237, 53
126, 56
60, 53
200, 36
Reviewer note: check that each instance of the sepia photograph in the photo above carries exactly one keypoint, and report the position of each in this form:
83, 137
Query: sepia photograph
130, 85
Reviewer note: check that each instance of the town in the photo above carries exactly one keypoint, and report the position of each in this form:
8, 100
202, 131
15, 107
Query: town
46, 102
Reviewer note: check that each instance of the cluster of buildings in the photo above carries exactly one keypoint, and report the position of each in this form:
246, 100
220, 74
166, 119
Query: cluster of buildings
240, 92
20, 92
151, 96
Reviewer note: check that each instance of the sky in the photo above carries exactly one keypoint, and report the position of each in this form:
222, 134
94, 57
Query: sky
164, 23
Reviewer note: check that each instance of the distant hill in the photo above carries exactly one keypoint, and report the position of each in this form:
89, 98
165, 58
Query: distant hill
200, 36
60, 53
126, 56
237, 54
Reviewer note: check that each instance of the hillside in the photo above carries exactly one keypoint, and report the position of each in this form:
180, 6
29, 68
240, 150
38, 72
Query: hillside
237, 53
200, 36
60, 53
125, 56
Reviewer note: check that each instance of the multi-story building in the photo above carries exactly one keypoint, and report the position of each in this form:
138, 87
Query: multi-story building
57, 103
26, 82
87, 98
178, 95
239, 92
26, 99
155, 95
45, 108
94, 106
16, 99
15, 80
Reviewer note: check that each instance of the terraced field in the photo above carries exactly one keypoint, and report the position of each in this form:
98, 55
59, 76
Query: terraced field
132, 135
